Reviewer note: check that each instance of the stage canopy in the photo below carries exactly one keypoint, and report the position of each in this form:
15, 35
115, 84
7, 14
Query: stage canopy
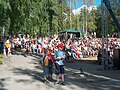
70, 33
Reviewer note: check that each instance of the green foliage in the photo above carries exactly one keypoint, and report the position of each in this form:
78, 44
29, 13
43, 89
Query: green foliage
111, 25
46, 17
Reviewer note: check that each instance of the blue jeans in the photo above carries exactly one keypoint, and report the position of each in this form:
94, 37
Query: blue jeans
45, 71
84, 54
34, 50
50, 67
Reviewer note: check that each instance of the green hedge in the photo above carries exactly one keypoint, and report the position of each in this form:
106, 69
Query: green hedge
0, 59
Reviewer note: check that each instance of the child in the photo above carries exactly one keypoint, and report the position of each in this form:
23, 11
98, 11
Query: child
44, 64
59, 56
50, 64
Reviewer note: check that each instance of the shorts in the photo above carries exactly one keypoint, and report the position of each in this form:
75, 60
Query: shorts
59, 69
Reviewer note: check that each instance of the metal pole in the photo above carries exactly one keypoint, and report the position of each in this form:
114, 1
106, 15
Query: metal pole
83, 23
70, 14
104, 36
86, 19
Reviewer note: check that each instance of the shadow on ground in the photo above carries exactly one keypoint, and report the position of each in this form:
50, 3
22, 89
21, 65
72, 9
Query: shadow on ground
73, 80
2, 83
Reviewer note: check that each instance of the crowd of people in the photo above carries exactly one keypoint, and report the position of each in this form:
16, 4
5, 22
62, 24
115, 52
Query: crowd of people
56, 50
77, 48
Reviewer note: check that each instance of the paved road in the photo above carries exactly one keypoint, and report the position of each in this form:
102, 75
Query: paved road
25, 73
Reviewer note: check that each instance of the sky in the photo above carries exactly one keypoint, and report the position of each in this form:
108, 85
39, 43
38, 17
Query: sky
97, 2
79, 3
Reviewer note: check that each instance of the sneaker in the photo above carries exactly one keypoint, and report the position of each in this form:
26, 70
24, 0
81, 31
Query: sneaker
50, 79
57, 82
63, 83
45, 81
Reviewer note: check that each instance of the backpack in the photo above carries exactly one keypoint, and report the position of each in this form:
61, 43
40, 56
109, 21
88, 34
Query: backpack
7, 45
45, 61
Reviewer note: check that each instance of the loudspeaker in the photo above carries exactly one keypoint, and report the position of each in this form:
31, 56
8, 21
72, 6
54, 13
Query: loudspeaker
116, 54
116, 64
116, 58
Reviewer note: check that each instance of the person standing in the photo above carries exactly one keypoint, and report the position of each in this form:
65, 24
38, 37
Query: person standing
59, 57
44, 64
7, 46
50, 63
